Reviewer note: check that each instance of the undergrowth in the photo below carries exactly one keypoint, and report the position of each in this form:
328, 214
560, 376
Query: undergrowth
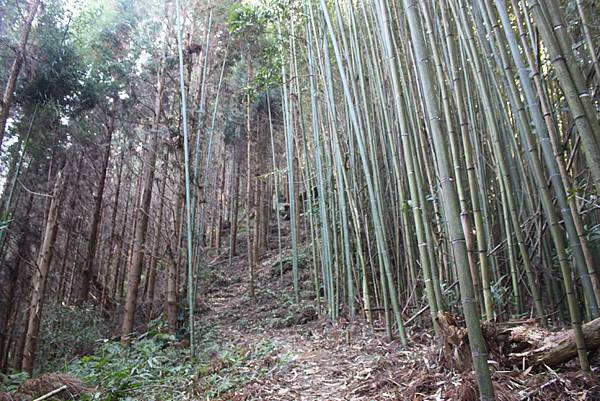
154, 368
66, 332
10, 382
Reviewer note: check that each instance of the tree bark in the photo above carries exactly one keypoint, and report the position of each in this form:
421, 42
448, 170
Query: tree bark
88, 272
39, 283
139, 243
234, 207
11, 83
111, 285
544, 348
249, 206
157, 241
174, 251
221, 204
11, 304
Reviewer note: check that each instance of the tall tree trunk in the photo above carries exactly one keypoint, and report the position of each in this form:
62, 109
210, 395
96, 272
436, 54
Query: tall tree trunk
174, 252
113, 224
139, 241
39, 282
11, 303
221, 204
257, 221
11, 83
122, 247
88, 272
235, 207
250, 205
151, 284
63, 265
19, 343
69, 292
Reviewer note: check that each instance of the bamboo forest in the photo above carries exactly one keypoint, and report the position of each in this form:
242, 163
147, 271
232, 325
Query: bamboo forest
312, 200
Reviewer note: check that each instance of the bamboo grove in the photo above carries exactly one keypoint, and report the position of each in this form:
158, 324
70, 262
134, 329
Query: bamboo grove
438, 156
445, 142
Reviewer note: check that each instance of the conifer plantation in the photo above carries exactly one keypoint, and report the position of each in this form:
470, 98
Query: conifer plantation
300, 200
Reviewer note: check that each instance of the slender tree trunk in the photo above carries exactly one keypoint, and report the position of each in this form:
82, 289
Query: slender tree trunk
8, 323
250, 203
256, 231
16, 68
11, 303
88, 272
63, 266
39, 282
121, 249
173, 273
19, 343
235, 206
157, 240
113, 224
221, 204
139, 241
69, 291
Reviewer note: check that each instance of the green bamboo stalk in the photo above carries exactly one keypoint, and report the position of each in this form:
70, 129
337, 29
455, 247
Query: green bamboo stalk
375, 208
290, 173
455, 230
499, 152
415, 190
553, 135
589, 41
474, 188
577, 97
276, 182
186, 164
523, 123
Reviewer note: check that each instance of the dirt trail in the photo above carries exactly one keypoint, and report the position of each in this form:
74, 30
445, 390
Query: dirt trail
315, 360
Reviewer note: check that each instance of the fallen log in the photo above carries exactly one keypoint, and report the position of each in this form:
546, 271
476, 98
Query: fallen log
552, 349
518, 343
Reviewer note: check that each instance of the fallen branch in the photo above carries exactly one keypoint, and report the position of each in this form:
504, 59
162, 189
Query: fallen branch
51, 393
423, 309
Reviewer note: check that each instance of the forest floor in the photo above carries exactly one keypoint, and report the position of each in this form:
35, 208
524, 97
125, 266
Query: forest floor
313, 359
272, 348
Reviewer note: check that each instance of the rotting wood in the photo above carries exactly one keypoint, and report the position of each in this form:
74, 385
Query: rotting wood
552, 349
524, 343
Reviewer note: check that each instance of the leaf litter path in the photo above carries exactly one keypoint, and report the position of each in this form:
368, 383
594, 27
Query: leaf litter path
318, 369
317, 360
311, 361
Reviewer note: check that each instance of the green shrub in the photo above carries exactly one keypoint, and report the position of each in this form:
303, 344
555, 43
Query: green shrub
68, 331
